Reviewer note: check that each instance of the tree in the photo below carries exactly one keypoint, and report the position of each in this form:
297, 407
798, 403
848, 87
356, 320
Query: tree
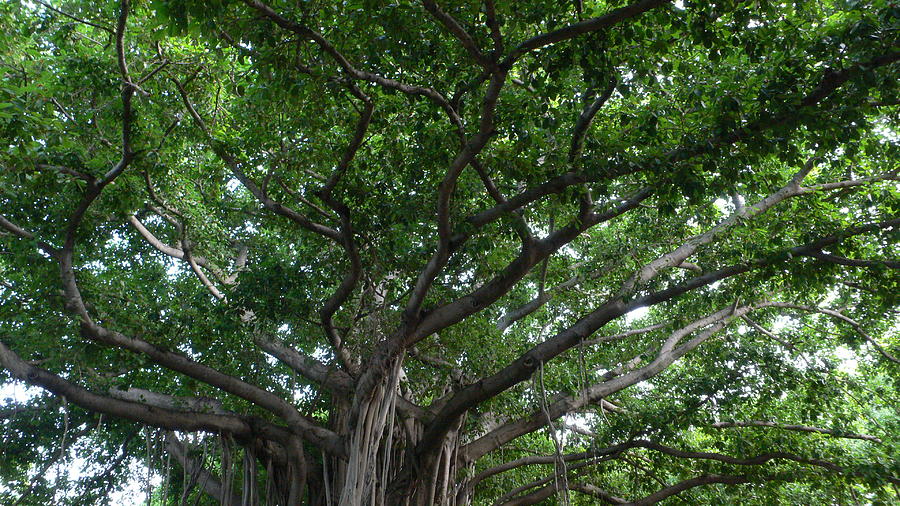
503, 252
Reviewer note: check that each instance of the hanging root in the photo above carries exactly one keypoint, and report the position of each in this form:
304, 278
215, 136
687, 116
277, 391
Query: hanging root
364, 479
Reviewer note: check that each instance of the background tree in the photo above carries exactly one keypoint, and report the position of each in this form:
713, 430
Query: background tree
500, 252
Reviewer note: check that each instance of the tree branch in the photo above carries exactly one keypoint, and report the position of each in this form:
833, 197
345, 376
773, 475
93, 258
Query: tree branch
82, 21
453, 312
669, 352
329, 377
704, 480
248, 183
841, 316
445, 190
586, 118
607, 20
350, 280
346, 66
853, 262
459, 32
800, 428
156, 416
169, 402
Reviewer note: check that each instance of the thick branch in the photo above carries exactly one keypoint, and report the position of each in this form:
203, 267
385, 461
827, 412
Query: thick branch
312, 369
316, 435
669, 352
186, 404
699, 481
15, 229
156, 416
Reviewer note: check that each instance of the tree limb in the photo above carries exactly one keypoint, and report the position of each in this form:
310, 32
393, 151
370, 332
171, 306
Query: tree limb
156, 416
458, 31
800, 428
841, 316
590, 25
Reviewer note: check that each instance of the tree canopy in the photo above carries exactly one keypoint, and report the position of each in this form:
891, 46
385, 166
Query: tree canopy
450, 252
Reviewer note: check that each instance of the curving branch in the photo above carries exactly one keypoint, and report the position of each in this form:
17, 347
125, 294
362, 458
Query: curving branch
677, 256
762, 330
66, 170
800, 428
185, 253
547, 491
841, 316
310, 368
445, 191
201, 276
595, 491
617, 451
829, 83
586, 118
248, 183
152, 240
74, 18
707, 479
490, 12
782, 256
459, 32
348, 68
623, 335
187, 404
156, 416
853, 262
603, 22
669, 352
454, 312
514, 315
546, 459
351, 279
15, 229
316, 435
522, 368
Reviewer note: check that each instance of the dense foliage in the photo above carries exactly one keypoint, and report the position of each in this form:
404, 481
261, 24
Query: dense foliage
452, 252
